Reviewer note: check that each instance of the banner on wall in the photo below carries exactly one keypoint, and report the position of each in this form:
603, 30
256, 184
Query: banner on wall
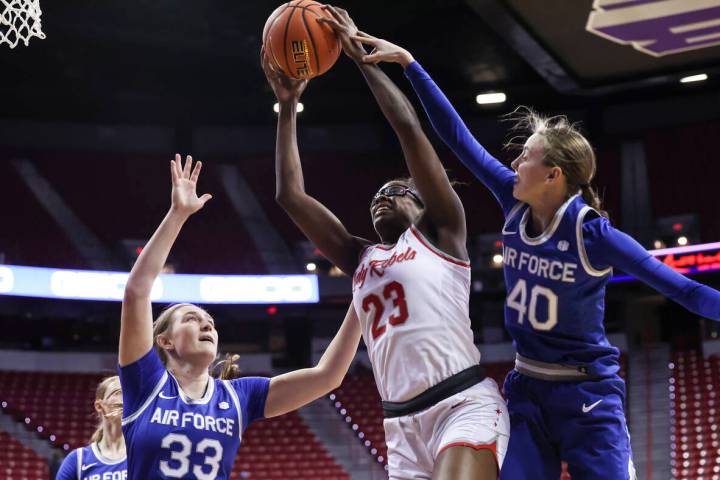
57, 283
687, 260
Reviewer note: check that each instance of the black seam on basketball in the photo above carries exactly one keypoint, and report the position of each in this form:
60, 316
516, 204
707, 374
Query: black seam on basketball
308, 9
269, 29
274, 56
312, 42
285, 39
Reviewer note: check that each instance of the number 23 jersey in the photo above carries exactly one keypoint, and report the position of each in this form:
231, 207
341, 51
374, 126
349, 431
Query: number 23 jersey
169, 435
412, 301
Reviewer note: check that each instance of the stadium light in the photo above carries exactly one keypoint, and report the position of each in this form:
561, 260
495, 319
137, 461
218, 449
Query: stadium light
497, 259
701, 77
300, 107
490, 98
682, 240
310, 267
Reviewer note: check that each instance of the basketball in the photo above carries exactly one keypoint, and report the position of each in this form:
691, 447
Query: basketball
296, 43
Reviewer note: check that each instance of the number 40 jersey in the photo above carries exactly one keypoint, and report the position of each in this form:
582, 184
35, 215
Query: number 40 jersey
555, 304
412, 301
169, 435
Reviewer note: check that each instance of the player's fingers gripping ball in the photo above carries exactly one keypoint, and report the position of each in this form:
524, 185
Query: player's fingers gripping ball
296, 43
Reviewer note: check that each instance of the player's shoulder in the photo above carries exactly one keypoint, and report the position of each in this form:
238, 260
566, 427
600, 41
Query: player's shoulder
248, 383
72, 456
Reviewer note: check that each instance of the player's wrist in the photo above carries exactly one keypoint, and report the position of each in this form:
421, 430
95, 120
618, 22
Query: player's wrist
405, 58
179, 213
288, 103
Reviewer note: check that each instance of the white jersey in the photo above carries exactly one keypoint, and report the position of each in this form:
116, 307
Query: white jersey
413, 304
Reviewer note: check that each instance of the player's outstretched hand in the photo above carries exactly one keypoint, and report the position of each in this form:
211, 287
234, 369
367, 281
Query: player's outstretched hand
286, 89
345, 29
383, 51
184, 182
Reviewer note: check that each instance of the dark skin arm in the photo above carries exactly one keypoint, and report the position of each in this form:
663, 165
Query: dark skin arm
318, 223
444, 217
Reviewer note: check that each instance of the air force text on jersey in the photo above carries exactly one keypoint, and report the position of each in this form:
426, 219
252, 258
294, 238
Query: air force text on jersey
107, 476
539, 266
193, 420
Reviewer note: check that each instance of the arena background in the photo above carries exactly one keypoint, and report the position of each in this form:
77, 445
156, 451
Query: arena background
90, 115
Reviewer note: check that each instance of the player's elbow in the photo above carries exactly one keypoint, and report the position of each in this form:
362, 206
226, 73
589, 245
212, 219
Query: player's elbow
329, 379
134, 292
287, 197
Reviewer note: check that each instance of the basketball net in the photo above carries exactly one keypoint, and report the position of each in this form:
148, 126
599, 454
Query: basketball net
20, 20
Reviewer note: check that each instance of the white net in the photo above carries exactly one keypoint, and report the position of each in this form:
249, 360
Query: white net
20, 20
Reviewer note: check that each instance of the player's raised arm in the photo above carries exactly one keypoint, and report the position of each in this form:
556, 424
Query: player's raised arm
608, 246
294, 389
446, 121
442, 205
136, 336
318, 223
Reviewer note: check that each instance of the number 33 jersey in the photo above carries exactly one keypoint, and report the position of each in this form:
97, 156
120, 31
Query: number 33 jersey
169, 435
412, 302
556, 299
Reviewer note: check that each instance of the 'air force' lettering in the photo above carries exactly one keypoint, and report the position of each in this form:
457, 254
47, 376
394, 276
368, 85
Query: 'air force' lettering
538, 266
194, 420
107, 476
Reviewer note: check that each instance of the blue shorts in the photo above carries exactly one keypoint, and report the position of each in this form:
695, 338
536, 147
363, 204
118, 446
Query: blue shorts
581, 423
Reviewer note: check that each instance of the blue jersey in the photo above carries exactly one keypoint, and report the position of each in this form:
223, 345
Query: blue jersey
87, 463
554, 308
556, 299
169, 435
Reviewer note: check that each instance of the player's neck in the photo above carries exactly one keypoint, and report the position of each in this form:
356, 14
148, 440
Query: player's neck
193, 380
112, 444
543, 210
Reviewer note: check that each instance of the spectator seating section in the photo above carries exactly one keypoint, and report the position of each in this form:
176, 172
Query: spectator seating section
30, 236
215, 241
58, 406
18, 462
284, 447
695, 446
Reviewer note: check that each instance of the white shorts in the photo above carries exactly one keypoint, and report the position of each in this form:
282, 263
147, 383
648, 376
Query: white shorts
476, 418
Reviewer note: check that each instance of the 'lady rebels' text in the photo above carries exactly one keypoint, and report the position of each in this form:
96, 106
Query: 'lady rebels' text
377, 267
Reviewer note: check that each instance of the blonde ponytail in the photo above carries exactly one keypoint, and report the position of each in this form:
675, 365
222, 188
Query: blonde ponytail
592, 198
228, 367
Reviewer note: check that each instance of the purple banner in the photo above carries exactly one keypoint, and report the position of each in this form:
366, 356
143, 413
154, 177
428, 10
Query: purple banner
658, 27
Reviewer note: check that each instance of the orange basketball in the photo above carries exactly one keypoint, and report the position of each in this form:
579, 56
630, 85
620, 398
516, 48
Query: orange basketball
296, 43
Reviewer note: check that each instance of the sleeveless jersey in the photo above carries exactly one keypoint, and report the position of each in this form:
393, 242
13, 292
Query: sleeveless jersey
556, 300
412, 302
87, 463
169, 435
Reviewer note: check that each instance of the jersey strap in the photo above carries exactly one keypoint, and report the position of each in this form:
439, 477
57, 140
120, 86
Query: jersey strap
587, 266
426, 243
236, 401
79, 452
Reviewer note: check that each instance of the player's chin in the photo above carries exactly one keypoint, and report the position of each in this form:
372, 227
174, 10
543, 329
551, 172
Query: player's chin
517, 193
206, 349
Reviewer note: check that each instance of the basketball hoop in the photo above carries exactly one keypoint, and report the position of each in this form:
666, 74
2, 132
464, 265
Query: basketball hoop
20, 20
